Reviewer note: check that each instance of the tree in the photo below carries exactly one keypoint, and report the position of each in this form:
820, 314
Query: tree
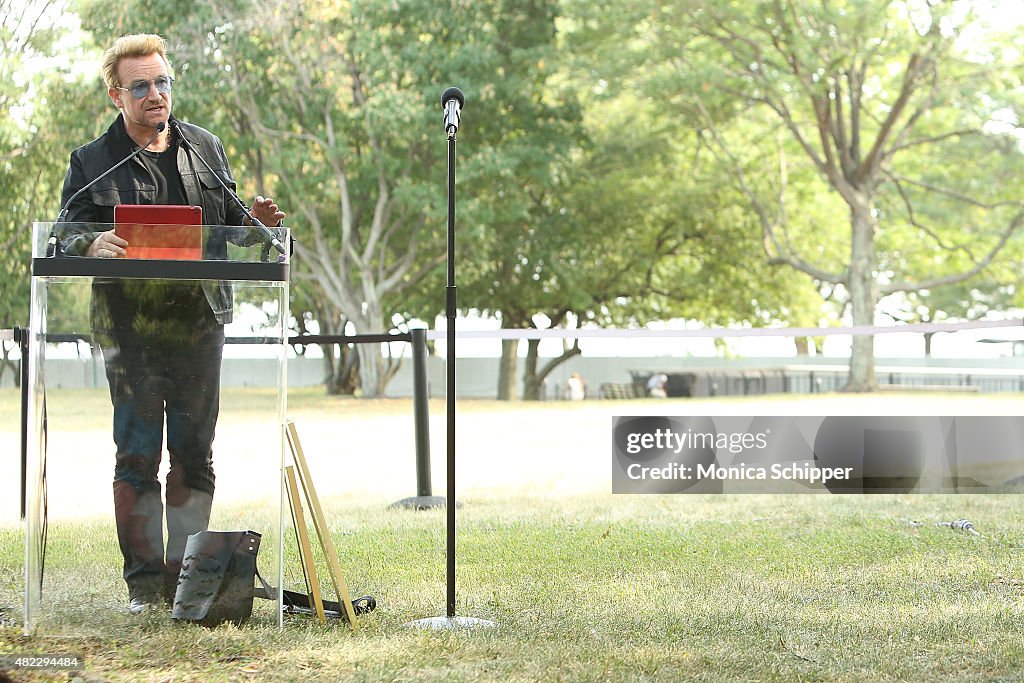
517, 272
18, 34
35, 138
637, 229
647, 235
883, 111
336, 108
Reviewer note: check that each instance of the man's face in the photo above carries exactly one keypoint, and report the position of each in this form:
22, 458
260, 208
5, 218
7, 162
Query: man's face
155, 107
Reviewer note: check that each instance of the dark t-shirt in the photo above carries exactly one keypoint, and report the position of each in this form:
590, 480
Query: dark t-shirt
164, 167
157, 311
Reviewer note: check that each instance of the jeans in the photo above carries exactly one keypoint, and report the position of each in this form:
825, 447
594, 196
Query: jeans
163, 358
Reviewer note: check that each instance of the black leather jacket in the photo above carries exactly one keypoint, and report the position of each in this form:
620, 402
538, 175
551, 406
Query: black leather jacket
133, 184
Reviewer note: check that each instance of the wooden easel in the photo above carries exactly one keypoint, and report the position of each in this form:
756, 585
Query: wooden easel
305, 480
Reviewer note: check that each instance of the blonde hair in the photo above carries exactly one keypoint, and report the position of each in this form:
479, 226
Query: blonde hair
138, 45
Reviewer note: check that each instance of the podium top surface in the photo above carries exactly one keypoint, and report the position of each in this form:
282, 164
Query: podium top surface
178, 252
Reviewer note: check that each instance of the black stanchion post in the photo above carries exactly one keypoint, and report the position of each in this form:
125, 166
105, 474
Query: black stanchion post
421, 411
424, 497
21, 337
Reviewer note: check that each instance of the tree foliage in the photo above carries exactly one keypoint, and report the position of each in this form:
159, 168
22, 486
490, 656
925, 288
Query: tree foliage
40, 115
877, 104
335, 108
752, 163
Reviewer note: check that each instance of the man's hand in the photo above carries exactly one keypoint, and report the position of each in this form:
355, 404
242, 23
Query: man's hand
267, 212
107, 245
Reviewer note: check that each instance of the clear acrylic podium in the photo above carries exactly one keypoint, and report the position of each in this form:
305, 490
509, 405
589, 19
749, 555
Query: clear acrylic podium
73, 563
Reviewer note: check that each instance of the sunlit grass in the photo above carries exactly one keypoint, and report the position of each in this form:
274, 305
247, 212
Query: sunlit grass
584, 586
602, 588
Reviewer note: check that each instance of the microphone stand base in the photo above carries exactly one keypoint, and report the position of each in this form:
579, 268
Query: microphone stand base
450, 623
423, 503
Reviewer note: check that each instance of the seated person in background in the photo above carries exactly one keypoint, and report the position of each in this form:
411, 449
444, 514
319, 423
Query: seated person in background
656, 385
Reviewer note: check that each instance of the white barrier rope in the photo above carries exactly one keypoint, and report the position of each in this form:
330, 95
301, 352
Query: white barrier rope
717, 332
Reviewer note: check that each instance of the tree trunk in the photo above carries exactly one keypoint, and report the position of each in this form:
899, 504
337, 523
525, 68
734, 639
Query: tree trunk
507, 369
370, 374
4, 362
928, 344
533, 379
863, 298
342, 374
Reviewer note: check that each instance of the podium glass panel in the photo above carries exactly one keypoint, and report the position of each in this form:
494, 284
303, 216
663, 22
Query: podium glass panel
135, 438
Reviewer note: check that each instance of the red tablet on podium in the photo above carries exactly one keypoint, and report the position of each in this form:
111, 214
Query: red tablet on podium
156, 231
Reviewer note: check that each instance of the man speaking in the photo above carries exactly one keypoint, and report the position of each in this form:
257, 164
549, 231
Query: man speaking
162, 341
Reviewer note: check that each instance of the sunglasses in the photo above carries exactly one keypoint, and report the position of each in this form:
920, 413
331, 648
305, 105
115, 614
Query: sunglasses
139, 89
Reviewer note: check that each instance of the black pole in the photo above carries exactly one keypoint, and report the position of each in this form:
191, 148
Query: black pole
450, 311
424, 499
421, 411
21, 337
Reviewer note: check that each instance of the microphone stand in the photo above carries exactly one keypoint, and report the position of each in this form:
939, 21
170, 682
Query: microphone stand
451, 310
53, 247
452, 101
267, 232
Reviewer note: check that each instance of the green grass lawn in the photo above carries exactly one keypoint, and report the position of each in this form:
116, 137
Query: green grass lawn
588, 587
602, 588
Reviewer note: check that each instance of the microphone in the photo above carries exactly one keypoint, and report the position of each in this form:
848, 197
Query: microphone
267, 232
51, 244
452, 100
